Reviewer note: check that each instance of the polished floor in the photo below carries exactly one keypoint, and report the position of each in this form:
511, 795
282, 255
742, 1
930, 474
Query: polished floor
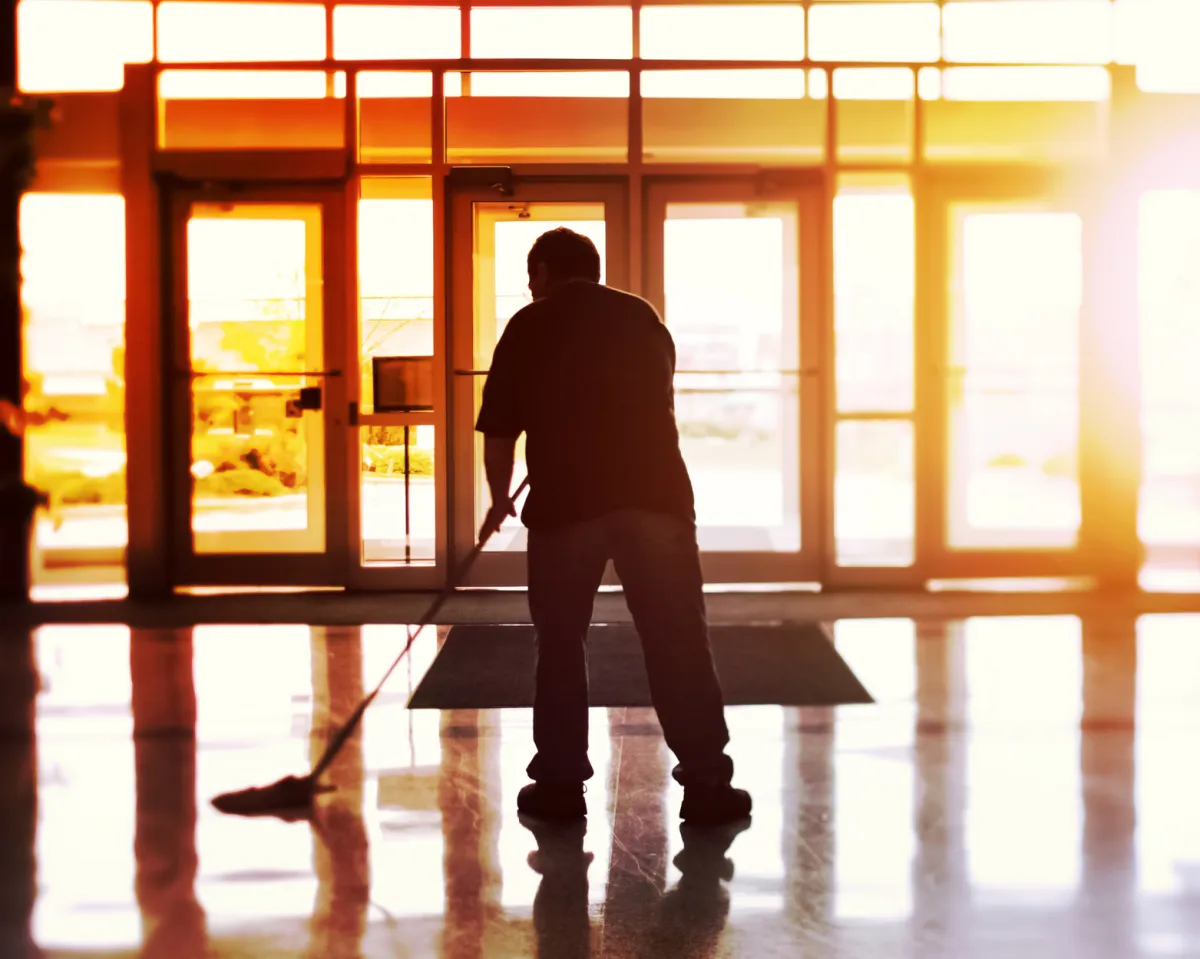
1024, 786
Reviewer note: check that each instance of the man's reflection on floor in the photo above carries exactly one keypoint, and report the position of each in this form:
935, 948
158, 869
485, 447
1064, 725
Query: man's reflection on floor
690, 917
693, 913
560, 907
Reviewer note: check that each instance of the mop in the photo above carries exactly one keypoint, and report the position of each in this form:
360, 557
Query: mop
292, 797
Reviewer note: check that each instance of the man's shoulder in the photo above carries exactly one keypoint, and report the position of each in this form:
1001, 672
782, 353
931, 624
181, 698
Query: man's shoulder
628, 302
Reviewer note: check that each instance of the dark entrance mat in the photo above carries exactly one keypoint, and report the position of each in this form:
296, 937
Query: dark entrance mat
782, 664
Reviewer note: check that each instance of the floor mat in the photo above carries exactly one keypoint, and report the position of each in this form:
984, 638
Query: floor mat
782, 664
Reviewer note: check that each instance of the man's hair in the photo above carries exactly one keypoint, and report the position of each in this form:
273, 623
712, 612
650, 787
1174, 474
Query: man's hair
568, 255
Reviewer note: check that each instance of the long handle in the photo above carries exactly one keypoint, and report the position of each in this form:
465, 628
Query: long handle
338, 739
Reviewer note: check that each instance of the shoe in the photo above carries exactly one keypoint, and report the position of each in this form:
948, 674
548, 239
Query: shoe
552, 800
714, 805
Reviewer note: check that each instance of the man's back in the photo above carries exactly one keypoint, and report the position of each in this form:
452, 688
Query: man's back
587, 373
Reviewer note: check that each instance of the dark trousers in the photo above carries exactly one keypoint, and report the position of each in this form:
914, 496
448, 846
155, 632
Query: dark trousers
658, 563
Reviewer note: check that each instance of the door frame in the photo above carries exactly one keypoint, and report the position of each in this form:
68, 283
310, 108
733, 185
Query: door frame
187, 567
935, 192
503, 568
809, 192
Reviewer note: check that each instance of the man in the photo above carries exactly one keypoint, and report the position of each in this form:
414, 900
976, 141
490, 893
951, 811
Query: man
586, 372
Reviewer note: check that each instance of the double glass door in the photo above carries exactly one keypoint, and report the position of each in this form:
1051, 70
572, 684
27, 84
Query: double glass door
723, 267
874, 386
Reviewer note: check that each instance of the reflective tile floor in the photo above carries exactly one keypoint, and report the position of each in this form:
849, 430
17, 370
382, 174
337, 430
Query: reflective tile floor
1023, 787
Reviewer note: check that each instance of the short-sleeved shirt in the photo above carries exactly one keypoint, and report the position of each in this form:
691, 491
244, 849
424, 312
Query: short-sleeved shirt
587, 373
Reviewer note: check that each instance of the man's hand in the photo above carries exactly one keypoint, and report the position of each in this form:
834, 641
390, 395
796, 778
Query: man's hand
496, 515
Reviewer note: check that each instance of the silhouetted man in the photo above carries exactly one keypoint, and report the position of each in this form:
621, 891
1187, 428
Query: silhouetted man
586, 372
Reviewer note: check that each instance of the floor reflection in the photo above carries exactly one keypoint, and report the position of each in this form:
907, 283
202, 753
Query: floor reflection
1021, 785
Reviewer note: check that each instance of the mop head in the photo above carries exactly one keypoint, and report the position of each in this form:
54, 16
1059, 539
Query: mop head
290, 798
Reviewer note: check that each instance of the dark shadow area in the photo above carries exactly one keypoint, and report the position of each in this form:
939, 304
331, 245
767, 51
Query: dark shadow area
18, 794
560, 907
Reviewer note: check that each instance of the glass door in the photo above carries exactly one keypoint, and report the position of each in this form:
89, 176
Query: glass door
255, 399
735, 275
1002, 486
491, 236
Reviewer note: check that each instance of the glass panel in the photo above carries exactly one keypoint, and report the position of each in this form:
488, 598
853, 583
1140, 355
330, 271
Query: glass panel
733, 305
1013, 379
767, 32
1028, 31
399, 513
578, 83
1159, 37
552, 32
767, 84
254, 316
504, 232
73, 294
385, 33
1169, 310
875, 114
873, 31
395, 281
874, 493
1027, 83
873, 83
874, 262
80, 45
243, 85
214, 32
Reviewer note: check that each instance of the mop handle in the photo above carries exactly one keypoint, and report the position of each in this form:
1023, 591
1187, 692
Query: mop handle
339, 738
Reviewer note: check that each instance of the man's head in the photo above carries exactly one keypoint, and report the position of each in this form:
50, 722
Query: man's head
558, 256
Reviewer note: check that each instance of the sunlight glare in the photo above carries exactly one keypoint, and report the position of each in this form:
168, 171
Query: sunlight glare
215, 32
81, 45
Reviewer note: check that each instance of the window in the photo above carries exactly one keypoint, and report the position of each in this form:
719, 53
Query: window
381, 33
217, 32
724, 84
1029, 31
1026, 83
510, 84
552, 32
773, 32
887, 32
81, 45
73, 292
866, 83
1158, 36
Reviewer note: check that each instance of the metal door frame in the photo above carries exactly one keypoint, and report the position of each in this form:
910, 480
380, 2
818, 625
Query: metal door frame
189, 568
506, 568
809, 193
935, 192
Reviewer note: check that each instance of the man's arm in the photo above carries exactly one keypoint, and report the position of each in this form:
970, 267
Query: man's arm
501, 420
499, 454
